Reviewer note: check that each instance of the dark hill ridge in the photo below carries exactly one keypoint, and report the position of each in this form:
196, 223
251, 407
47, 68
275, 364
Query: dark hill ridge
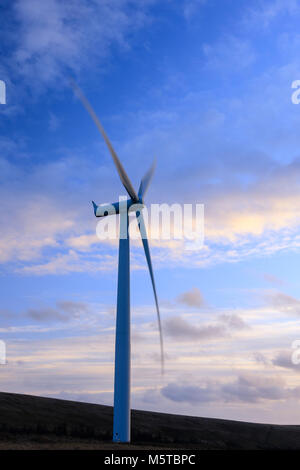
35, 422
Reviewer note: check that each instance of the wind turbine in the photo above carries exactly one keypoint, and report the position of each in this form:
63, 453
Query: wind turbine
121, 424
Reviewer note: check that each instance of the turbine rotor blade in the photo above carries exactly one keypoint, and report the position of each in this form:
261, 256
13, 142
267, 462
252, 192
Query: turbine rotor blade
146, 180
122, 173
143, 232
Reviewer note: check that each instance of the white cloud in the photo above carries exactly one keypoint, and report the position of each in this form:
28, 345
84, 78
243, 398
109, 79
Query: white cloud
71, 262
58, 218
65, 310
192, 298
221, 372
283, 303
54, 38
181, 330
191, 8
246, 388
229, 54
267, 11
284, 359
54, 122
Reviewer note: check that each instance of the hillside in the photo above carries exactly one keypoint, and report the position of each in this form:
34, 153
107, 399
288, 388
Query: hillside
30, 422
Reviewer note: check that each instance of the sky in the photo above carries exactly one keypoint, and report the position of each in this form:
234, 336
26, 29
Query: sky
205, 87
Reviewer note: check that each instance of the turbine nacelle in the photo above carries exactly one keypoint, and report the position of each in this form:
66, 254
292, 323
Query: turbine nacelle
127, 205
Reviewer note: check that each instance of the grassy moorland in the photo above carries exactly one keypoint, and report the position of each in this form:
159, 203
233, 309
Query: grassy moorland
30, 422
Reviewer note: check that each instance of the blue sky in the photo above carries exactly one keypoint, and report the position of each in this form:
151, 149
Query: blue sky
205, 87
